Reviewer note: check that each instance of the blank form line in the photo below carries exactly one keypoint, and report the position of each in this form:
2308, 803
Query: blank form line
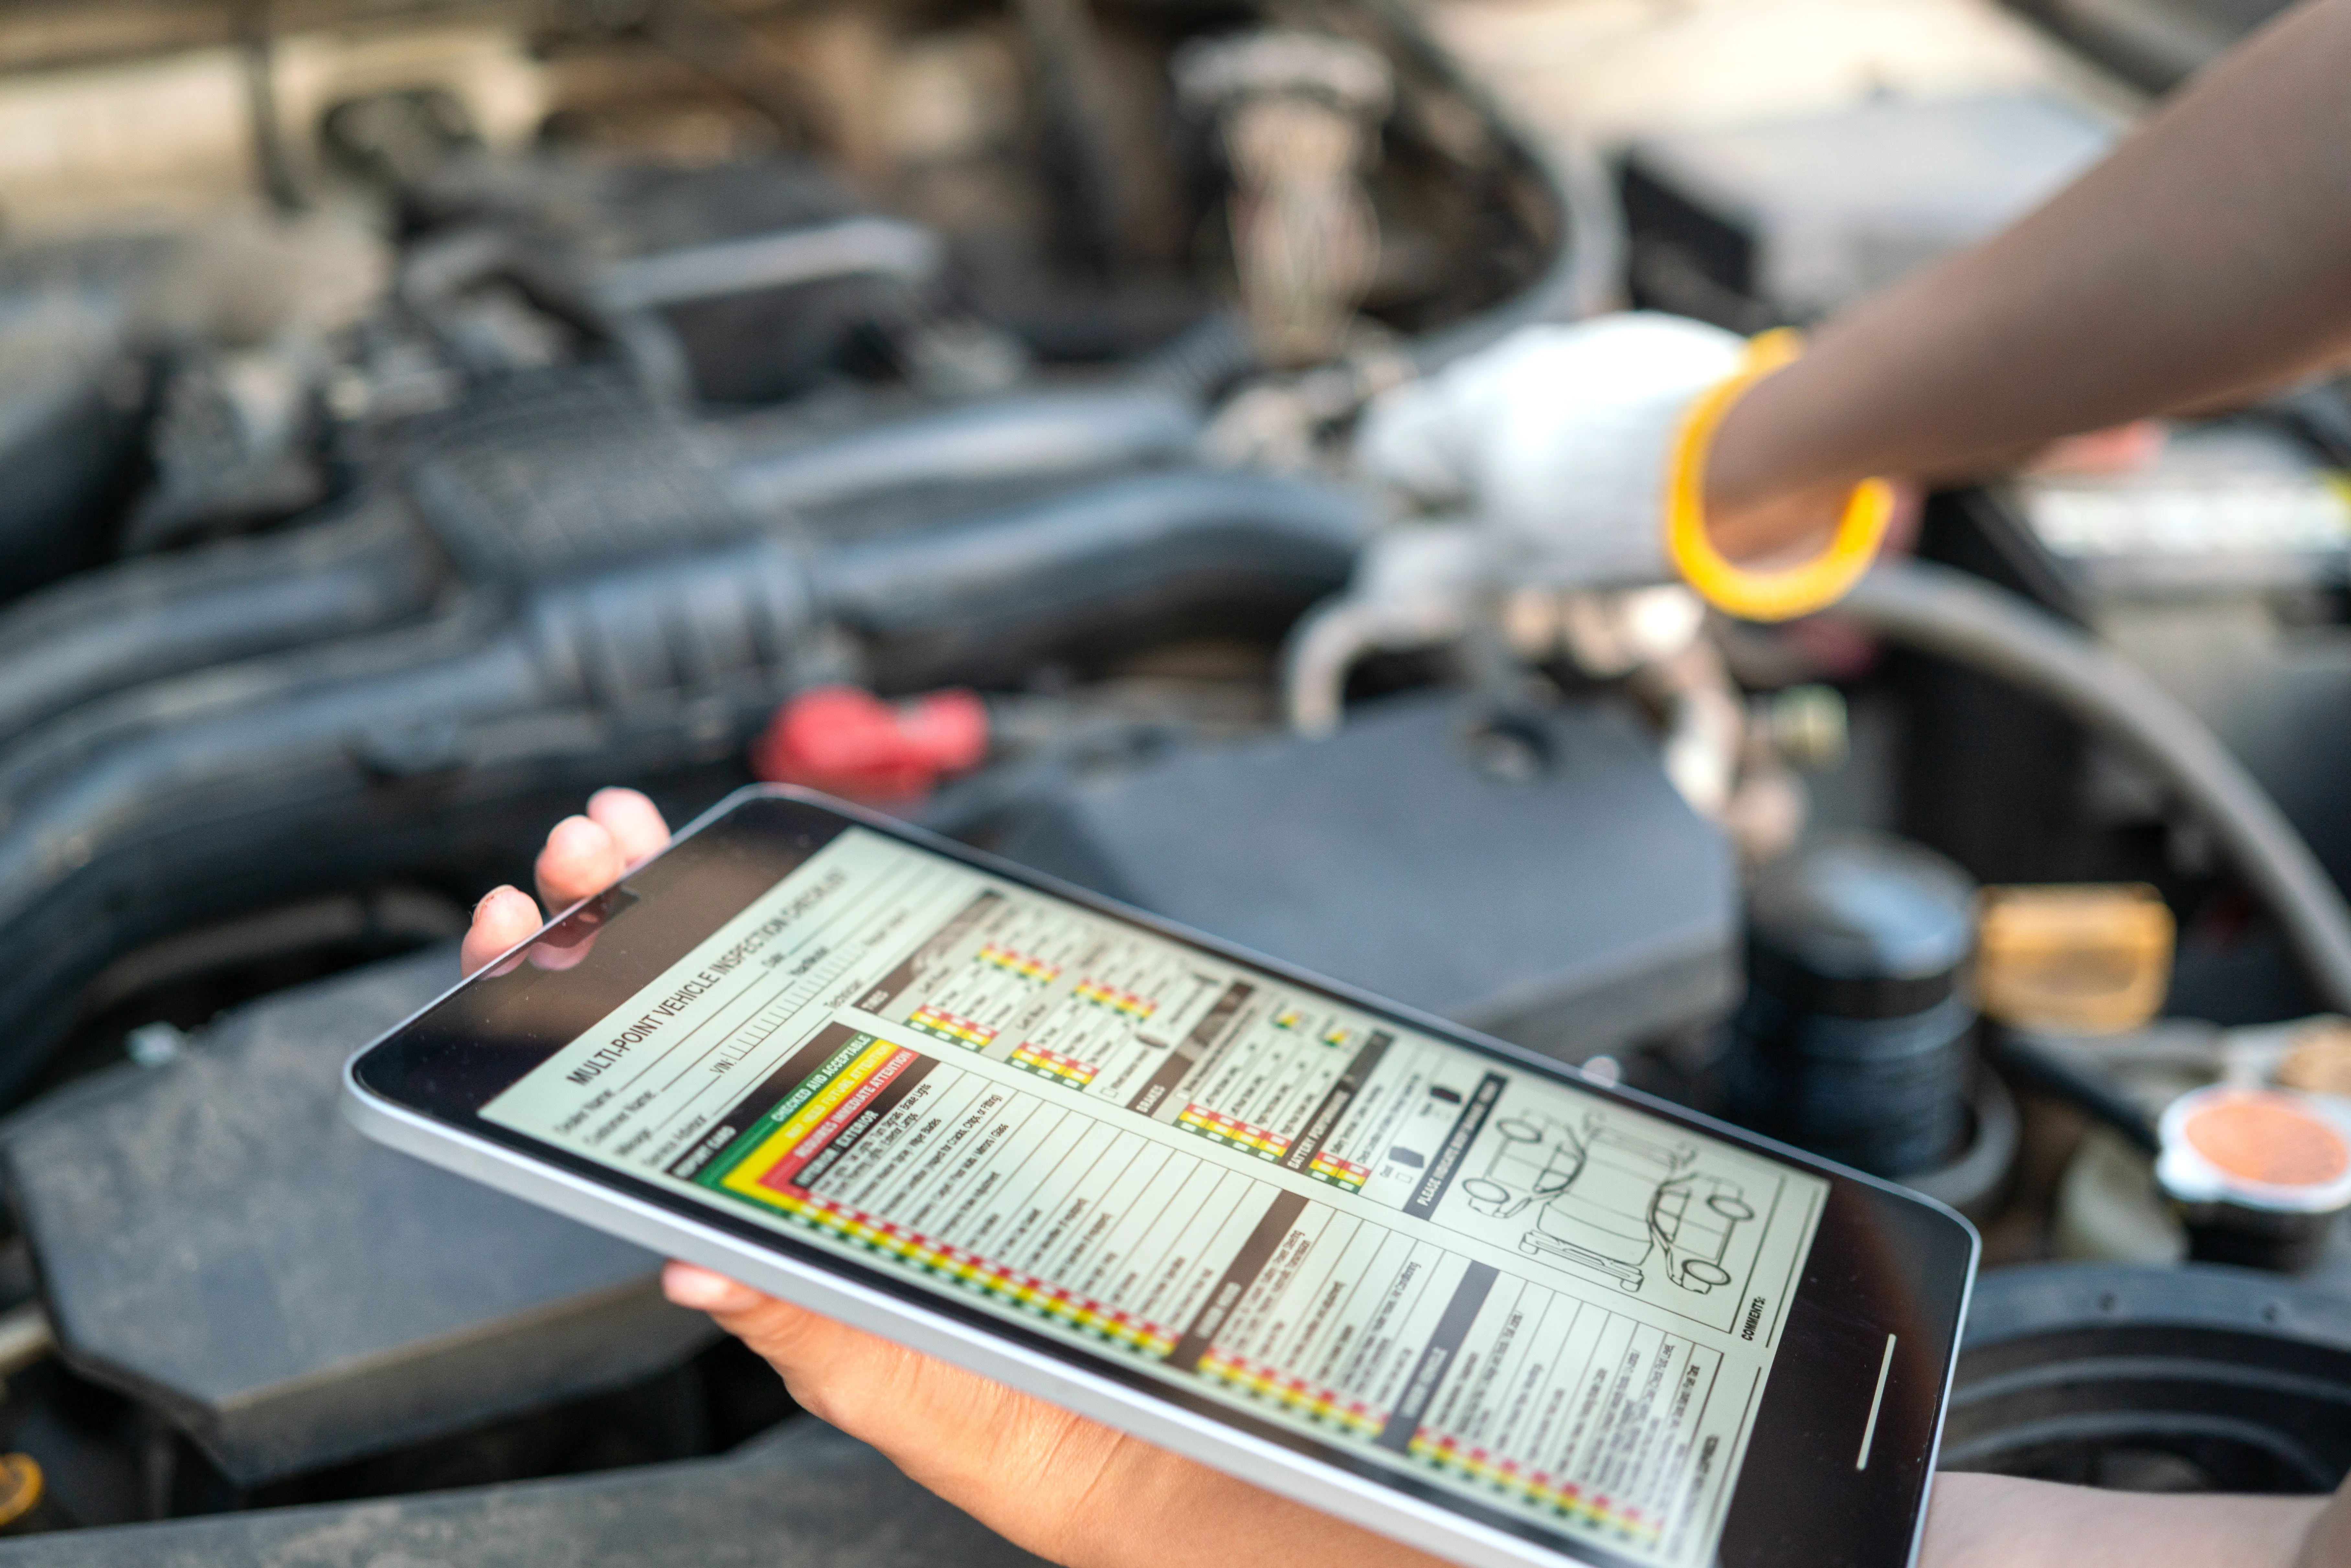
1876, 1399
795, 996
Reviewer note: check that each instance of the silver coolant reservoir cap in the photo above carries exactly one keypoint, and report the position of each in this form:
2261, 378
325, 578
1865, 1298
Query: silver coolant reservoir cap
2261, 1176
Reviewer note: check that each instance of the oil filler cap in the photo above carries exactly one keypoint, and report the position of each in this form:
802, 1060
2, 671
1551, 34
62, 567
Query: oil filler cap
1861, 925
1853, 1038
2261, 1174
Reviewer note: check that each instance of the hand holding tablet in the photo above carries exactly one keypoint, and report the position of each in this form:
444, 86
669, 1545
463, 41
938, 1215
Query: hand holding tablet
1432, 1284
1068, 1489
1561, 1175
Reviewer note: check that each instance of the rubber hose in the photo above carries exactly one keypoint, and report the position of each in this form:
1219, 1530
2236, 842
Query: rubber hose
1954, 616
2030, 1063
1581, 279
1204, 360
1586, 272
166, 615
244, 788
984, 590
1078, 95
68, 437
1039, 434
784, 258
324, 770
227, 790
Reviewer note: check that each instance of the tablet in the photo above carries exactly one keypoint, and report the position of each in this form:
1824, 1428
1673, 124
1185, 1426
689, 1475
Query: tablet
1427, 1282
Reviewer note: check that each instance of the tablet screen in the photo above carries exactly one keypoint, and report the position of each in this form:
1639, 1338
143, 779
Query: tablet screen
1535, 1298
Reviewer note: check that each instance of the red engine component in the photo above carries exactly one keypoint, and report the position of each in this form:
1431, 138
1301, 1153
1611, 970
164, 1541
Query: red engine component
847, 742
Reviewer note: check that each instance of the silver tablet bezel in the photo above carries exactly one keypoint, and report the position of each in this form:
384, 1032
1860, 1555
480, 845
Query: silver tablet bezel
1428, 1525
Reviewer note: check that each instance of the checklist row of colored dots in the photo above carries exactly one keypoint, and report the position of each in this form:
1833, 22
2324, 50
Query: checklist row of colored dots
979, 1272
1050, 1064
1293, 1394
1328, 1166
1224, 1129
1535, 1486
1122, 1002
948, 1026
1021, 964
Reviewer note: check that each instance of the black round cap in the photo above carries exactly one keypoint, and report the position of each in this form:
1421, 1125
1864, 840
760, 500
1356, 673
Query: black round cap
1860, 925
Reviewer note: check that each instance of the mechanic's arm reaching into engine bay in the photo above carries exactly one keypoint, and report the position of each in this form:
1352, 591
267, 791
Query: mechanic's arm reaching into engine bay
2208, 258
1084, 1496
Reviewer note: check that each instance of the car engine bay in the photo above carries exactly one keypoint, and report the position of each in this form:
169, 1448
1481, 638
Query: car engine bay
414, 416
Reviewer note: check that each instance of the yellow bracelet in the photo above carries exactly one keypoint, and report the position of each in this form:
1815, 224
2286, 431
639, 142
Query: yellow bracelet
1790, 591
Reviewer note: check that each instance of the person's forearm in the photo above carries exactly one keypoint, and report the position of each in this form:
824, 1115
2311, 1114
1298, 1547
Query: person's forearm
2210, 254
1994, 1522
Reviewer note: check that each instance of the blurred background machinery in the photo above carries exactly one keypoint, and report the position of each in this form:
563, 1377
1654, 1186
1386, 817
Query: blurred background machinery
414, 416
